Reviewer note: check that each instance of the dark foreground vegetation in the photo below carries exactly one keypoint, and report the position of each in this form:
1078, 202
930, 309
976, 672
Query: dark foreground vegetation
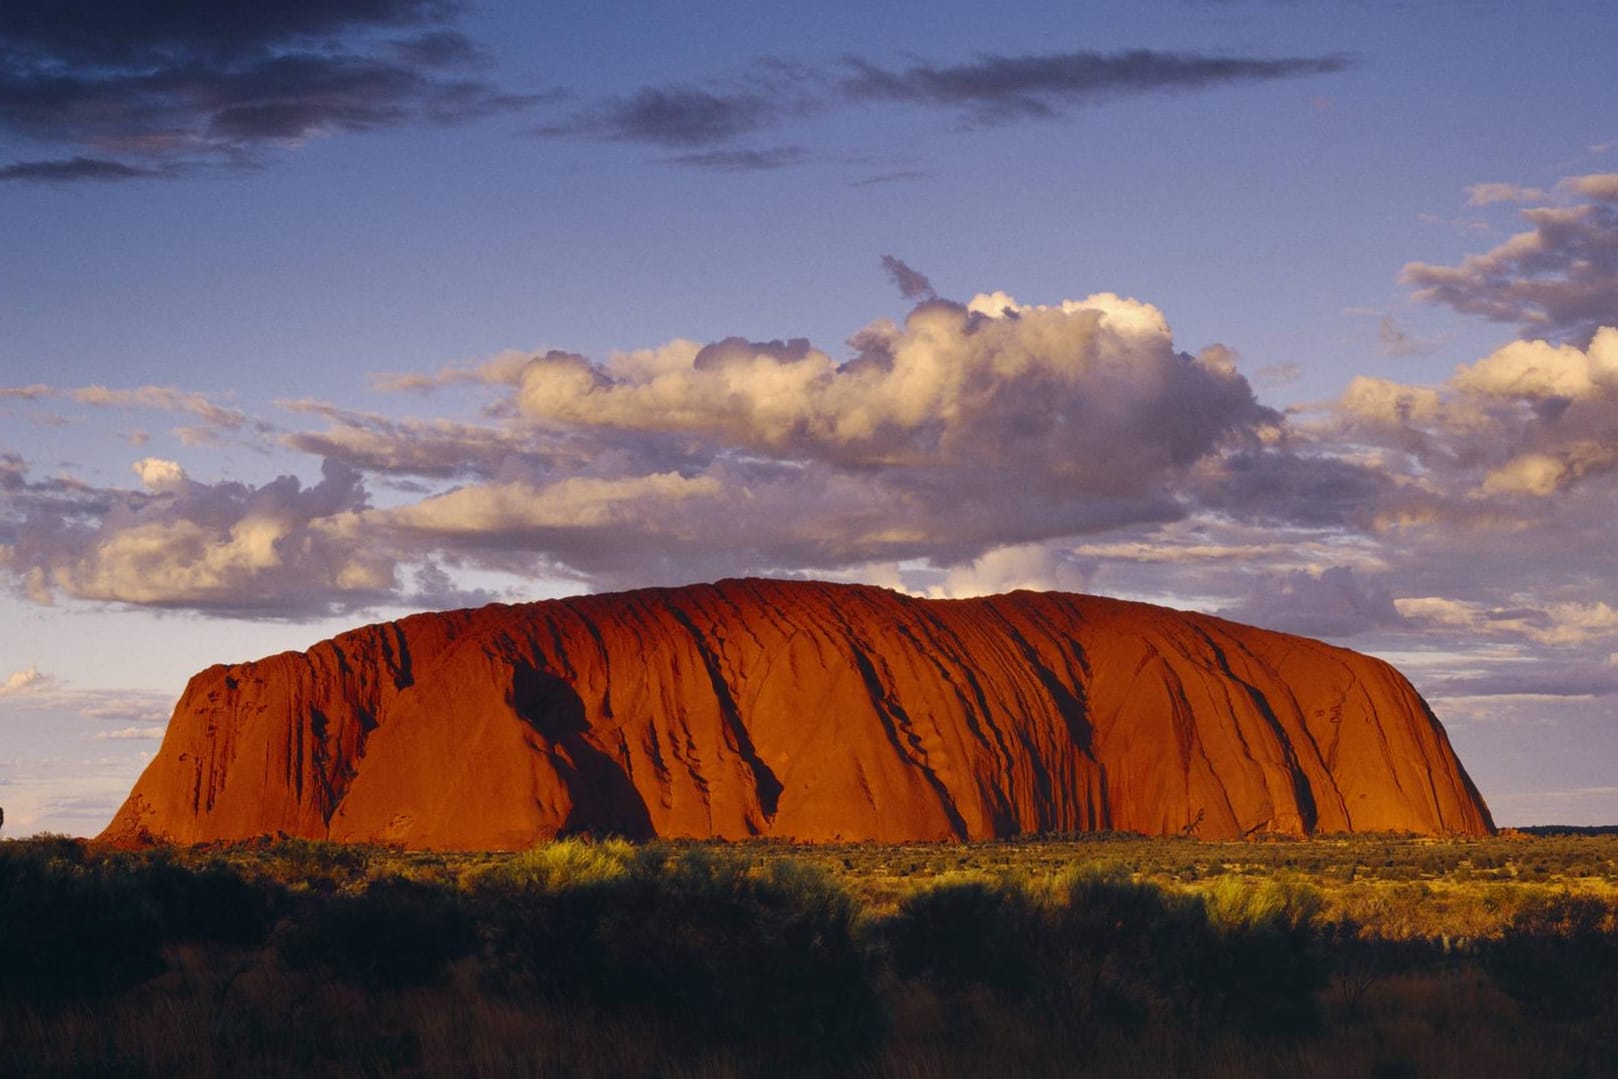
1107, 956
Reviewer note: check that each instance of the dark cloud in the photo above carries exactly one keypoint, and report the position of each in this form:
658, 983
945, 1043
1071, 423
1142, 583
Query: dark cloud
438, 48
901, 176
703, 119
778, 157
714, 116
1557, 280
994, 89
674, 116
1316, 490
1331, 603
151, 85
114, 33
912, 284
1586, 678
1397, 342
426, 449
75, 168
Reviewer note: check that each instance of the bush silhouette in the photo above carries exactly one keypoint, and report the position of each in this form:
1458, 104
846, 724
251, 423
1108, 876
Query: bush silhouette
723, 946
1116, 949
1263, 970
966, 932
209, 903
395, 933
1094, 946
1558, 957
71, 926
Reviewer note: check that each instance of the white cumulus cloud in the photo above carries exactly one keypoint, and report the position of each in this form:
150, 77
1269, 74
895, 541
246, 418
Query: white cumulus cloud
27, 680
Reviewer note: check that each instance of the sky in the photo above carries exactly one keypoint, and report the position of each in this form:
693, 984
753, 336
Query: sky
317, 313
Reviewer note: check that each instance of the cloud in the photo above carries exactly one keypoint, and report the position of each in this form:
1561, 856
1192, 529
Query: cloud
1089, 396
995, 89
126, 734
966, 429
1532, 418
144, 708
426, 449
157, 474
216, 418
1559, 279
1537, 679
1570, 623
148, 87
1489, 194
28, 680
1282, 486
713, 120
778, 157
1277, 374
912, 284
111, 32
1037, 567
896, 177
504, 369
224, 548
76, 168
702, 117
1396, 342
1330, 603
679, 116
965, 447
1601, 186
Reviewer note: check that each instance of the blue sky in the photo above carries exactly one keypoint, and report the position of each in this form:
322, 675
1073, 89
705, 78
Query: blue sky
314, 314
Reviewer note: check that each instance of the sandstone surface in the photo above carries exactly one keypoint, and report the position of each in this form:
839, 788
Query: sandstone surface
804, 711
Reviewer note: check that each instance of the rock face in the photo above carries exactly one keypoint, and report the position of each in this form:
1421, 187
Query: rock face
800, 710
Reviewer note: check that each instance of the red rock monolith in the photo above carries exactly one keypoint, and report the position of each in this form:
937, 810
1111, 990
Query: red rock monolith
804, 711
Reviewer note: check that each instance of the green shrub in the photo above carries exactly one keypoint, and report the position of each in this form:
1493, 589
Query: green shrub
566, 863
315, 864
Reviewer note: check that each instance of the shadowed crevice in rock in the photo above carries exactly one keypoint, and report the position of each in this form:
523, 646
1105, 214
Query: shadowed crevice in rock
604, 799
767, 786
902, 737
1303, 795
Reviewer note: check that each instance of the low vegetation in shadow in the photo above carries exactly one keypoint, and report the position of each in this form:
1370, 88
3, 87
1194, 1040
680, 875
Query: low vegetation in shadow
1099, 955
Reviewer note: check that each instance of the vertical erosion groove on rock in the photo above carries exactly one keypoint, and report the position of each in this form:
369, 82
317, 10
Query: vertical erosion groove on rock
804, 711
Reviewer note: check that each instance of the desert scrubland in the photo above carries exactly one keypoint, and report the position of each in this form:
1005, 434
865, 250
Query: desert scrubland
1097, 955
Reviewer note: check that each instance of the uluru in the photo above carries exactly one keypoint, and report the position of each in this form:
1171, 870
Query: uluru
803, 711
